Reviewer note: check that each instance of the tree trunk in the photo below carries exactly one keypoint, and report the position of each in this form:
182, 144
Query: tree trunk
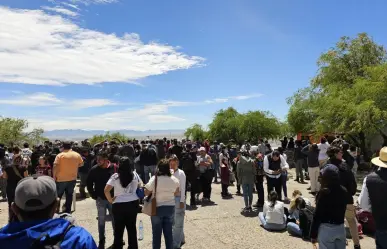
363, 147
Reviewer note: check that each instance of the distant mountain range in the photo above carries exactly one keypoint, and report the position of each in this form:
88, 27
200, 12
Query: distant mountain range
83, 134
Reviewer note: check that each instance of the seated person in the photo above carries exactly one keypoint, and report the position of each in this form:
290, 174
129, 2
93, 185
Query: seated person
35, 203
273, 216
301, 228
293, 211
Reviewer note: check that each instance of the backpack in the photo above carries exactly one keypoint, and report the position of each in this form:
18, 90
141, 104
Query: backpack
188, 164
48, 242
26, 160
306, 219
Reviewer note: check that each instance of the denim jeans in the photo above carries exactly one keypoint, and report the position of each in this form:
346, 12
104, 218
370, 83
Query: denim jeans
248, 194
294, 229
381, 239
162, 223
216, 170
68, 189
102, 205
178, 224
331, 236
149, 170
271, 226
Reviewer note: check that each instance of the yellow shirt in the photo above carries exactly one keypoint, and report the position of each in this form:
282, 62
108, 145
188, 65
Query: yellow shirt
66, 166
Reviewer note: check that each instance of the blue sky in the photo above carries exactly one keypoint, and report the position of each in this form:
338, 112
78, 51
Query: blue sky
126, 64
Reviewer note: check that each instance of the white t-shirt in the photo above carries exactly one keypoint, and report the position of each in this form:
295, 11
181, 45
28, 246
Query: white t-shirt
122, 194
274, 215
323, 151
166, 188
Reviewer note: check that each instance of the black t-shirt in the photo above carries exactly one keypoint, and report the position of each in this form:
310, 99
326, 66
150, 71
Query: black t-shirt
176, 150
13, 179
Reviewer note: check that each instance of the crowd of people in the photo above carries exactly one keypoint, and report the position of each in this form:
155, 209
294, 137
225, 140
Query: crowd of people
154, 177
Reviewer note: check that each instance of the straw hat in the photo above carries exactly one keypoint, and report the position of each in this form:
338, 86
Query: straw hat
381, 161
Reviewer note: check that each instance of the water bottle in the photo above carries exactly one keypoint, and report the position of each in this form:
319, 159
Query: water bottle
141, 231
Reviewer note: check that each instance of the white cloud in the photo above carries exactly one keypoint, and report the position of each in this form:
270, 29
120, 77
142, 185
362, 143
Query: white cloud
71, 5
61, 10
48, 99
36, 99
44, 49
139, 116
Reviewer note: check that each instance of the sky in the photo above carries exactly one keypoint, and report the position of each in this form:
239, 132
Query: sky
127, 64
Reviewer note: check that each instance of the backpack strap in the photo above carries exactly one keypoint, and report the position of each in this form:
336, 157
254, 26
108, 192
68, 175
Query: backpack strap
37, 243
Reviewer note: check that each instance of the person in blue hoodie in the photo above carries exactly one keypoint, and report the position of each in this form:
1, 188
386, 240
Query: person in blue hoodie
35, 203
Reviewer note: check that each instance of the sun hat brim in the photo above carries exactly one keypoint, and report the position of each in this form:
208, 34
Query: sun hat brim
379, 162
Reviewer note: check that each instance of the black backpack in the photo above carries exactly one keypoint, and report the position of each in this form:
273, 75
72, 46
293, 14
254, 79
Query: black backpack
306, 219
50, 242
188, 164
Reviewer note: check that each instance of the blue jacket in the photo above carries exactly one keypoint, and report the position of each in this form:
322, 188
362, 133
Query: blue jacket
23, 234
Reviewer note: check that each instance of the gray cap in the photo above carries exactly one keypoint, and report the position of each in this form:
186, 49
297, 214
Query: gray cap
35, 193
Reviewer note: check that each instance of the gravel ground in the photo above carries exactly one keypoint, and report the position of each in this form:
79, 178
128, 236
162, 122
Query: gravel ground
218, 226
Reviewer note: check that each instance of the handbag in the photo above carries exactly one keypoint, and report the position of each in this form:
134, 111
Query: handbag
150, 206
139, 191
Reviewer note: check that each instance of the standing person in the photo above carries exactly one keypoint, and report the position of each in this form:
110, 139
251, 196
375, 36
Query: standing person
273, 216
284, 176
312, 152
225, 178
35, 204
373, 197
98, 176
148, 159
261, 147
323, 147
13, 174
83, 171
348, 181
353, 152
284, 143
273, 165
259, 178
65, 173
245, 172
192, 173
299, 157
26, 154
178, 222
125, 202
165, 187
43, 169
176, 149
328, 219
204, 162
215, 159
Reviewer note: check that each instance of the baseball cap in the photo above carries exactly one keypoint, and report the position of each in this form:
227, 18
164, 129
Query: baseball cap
35, 193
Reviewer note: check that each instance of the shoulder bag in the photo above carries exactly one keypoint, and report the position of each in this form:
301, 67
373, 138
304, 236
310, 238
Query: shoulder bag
150, 204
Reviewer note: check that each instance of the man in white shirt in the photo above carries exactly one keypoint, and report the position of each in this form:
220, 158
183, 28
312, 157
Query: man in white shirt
273, 165
178, 224
323, 147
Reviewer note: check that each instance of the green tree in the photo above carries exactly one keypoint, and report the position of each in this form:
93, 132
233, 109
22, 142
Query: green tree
117, 136
343, 96
259, 124
11, 130
225, 125
196, 132
35, 136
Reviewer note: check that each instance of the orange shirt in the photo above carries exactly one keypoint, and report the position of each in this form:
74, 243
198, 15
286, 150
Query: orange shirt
66, 166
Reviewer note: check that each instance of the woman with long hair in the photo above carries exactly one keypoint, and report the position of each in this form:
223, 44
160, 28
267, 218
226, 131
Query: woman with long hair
273, 215
165, 187
328, 220
14, 173
125, 202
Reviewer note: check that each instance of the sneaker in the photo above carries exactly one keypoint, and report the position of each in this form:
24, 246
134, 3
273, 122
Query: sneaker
246, 209
357, 247
238, 193
310, 188
297, 180
250, 209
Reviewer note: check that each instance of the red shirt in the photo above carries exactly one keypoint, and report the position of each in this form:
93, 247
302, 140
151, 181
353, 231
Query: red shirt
44, 171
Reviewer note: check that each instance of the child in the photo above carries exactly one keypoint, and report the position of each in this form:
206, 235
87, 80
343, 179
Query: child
43, 169
225, 178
